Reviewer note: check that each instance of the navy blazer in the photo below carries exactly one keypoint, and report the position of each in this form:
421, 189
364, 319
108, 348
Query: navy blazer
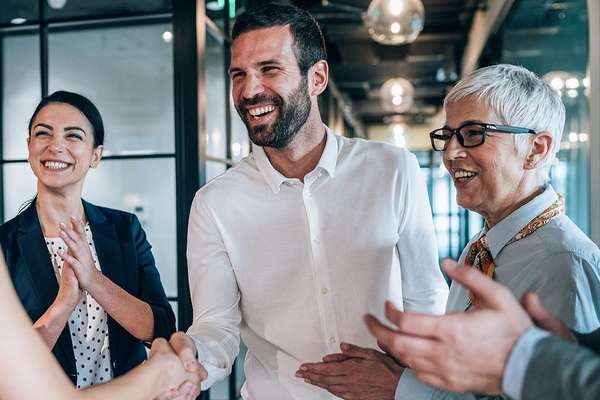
125, 258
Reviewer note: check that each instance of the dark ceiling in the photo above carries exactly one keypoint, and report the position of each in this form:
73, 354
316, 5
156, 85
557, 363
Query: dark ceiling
539, 34
360, 66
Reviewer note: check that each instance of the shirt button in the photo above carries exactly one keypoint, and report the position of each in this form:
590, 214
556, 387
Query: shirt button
316, 239
324, 291
332, 340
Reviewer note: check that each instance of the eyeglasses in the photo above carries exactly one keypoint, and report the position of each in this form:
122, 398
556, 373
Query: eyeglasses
471, 134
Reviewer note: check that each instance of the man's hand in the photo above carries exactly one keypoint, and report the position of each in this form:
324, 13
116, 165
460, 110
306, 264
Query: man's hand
459, 352
544, 319
185, 348
172, 373
356, 373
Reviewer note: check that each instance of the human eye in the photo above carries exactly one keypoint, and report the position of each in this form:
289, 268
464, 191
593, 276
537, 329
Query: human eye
41, 133
75, 136
270, 69
472, 130
443, 134
234, 75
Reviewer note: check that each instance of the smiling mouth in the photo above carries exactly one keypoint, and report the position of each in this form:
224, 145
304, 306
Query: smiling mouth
259, 112
56, 165
463, 175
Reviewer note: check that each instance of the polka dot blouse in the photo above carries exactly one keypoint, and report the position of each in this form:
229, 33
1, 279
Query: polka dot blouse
88, 325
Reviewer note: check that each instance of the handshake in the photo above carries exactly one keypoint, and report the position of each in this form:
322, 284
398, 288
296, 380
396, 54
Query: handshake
179, 373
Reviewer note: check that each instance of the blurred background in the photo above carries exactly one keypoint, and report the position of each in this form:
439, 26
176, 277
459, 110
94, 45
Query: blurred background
157, 70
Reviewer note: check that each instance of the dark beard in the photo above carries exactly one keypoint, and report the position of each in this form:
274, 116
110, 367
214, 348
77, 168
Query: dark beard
292, 117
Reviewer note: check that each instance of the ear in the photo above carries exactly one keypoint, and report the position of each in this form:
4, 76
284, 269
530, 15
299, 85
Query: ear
541, 146
318, 78
97, 156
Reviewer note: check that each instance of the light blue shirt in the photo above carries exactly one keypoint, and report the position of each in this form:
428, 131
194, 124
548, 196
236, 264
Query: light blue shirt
558, 262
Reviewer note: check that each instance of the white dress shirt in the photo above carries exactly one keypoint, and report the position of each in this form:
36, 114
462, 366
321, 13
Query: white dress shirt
296, 265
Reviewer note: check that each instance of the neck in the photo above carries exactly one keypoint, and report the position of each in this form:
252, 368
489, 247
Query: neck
492, 218
304, 152
56, 207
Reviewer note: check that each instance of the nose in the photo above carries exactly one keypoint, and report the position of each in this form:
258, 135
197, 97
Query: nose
251, 86
454, 150
57, 144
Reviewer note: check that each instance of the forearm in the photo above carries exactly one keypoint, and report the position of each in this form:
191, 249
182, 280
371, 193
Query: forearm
50, 325
143, 382
128, 311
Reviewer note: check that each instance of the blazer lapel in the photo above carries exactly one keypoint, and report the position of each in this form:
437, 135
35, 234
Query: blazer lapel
37, 259
33, 248
110, 256
107, 245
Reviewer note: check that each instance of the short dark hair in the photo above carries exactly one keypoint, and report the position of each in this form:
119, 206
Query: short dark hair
83, 104
309, 44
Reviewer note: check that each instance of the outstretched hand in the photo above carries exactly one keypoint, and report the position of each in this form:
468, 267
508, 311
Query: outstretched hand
458, 351
544, 319
195, 373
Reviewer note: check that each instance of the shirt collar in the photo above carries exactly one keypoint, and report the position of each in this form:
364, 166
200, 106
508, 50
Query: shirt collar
501, 233
274, 178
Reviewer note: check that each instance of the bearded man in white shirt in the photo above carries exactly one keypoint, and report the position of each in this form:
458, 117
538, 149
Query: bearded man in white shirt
292, 246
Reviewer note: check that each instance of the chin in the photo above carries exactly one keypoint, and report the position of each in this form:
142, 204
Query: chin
465, 201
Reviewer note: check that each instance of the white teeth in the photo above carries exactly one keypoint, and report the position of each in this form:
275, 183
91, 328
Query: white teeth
255, 112
464, 174
55, 164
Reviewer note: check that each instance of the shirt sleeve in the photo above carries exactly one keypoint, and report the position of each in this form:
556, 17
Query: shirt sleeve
424, 288
567, 286
215, 295
518, 360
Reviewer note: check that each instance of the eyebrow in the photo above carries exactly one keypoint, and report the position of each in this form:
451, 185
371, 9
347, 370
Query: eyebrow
469, 121
70, 128
44, 126
269, 62
67, 128
260, 64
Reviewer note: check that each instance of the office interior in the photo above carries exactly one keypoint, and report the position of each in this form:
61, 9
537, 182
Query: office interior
157, 70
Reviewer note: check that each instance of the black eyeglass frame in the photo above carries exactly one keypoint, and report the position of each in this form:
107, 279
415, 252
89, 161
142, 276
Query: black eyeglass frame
486, 127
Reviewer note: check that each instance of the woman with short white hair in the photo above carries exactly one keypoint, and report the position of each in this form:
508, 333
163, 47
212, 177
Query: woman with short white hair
502, 132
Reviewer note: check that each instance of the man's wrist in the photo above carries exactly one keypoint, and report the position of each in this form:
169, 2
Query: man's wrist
513, 375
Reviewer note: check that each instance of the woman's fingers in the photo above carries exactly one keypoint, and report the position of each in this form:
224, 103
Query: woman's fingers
79, 227
72, 240
72, 261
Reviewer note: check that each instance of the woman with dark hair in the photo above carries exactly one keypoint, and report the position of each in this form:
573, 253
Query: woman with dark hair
85, 274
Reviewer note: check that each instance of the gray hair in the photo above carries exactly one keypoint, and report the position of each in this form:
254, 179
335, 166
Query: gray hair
520, 98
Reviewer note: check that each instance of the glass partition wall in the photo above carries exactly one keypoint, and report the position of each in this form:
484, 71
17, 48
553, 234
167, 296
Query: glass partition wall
122, 55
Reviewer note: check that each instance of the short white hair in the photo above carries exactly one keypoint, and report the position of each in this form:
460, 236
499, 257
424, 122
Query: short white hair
520, 98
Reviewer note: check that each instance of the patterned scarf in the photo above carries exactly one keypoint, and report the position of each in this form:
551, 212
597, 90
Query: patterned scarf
479, 255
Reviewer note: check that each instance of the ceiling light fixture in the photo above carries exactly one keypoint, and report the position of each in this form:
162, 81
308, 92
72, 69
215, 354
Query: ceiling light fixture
394, 22
398, 131
397, 95
57, 4
559, 80
167, 36
18, 21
